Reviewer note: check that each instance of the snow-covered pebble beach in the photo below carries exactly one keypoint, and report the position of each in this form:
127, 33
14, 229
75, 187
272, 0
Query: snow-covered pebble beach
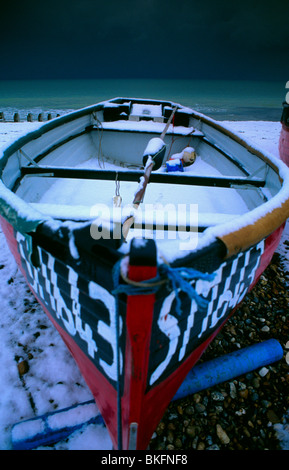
37, 373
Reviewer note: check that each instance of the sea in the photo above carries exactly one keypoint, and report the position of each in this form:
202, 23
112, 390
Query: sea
234, 100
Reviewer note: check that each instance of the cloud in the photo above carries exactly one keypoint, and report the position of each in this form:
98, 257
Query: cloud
168, 37
263, 25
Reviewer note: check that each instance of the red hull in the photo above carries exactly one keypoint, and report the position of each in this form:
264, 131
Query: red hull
284, 144
138, 405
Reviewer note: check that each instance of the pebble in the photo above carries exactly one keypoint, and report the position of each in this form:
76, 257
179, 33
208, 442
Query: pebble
233, 390
200, 408
217, 396
23, 367
222, 435
264, 371
246, 412
213, 447
273, 418
244, 393
201, 446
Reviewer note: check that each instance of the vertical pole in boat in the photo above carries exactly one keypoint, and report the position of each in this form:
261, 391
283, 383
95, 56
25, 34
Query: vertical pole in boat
139, 317
152, 160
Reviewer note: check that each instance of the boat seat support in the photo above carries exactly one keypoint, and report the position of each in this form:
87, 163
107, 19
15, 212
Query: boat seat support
171, 178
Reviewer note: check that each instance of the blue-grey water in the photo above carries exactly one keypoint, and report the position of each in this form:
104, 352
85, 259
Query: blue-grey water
219, 99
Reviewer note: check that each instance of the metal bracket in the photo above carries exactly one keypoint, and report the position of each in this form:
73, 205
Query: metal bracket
132, 436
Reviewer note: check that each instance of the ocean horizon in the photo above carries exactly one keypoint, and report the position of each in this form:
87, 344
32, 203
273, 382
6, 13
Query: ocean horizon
220, 99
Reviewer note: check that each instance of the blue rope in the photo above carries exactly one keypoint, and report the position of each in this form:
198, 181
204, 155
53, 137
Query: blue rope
180, 279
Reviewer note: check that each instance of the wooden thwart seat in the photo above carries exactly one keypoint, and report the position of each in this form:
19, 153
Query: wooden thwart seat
135, 175
85, 213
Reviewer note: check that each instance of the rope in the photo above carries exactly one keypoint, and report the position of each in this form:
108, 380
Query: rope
179, 278
117, 185
118, 374
174, 139
99, 126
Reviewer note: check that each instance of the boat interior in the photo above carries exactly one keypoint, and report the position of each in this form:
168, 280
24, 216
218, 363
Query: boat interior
75, 167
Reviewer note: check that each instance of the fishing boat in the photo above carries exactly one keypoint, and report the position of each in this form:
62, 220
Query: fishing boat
139, 225
284, 134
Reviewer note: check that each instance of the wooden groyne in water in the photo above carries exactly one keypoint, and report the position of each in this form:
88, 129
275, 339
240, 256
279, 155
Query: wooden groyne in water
29, 118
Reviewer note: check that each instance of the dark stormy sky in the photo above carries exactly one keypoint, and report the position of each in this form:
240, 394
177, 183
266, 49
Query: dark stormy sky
145, 39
